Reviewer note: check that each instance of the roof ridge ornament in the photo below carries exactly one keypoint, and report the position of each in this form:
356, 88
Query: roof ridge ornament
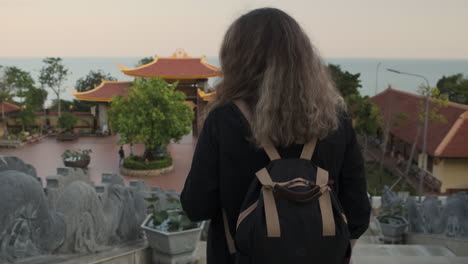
180, 54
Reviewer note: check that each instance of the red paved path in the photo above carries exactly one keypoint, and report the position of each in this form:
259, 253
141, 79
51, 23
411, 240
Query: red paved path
45, 156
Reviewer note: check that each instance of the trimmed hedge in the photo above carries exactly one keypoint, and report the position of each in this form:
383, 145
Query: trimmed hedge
138, 163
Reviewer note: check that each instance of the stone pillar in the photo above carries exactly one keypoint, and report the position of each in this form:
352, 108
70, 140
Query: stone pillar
103, 119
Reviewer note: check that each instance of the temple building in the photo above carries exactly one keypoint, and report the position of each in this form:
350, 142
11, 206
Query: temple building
447, 144
191, 73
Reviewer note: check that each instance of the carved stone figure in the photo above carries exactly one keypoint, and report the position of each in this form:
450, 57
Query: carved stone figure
27, 226
432, 217
71, 215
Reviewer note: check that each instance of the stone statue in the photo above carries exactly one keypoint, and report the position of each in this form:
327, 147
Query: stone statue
432, 217
70, 215
27, 226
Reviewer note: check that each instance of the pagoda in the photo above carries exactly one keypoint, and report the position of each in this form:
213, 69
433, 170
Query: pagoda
191, 73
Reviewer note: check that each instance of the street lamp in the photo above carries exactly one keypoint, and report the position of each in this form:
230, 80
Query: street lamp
377, 77
426, 121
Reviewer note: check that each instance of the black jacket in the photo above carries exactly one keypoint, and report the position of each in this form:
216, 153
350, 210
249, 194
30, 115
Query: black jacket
224, 165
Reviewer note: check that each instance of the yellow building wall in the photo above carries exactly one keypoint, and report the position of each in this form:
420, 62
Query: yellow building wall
2, 131
453, 173
83, 121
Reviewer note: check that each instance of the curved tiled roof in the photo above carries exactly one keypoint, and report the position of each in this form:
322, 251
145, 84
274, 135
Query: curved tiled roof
104, 92
175, 67
8, 107
444, 139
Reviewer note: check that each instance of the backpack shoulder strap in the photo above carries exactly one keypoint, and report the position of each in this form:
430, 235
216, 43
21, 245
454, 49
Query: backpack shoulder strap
229, 239
308, 149
269, 148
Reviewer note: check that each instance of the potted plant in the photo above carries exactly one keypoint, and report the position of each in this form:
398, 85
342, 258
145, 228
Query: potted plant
170, 233
76, 159
392, 222
67, 121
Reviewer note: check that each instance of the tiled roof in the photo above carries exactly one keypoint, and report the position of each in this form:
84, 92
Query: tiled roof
8, 107
175, 68
444, 139
104, 92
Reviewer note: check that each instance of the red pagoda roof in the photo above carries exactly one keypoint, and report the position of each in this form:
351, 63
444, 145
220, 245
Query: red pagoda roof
104, 92
8, 107
444, 139
178, 66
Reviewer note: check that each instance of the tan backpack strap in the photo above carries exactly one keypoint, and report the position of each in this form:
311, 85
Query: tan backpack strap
230, 241
328, 221
308, 149
267, 146
269, 203
244, 109
271, 150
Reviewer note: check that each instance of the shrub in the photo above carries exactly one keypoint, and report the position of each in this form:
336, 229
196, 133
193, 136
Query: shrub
67, 120
75, 155
138, 163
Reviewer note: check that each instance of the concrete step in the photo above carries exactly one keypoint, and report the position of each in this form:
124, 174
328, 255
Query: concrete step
402, 250
409, 260
369, 239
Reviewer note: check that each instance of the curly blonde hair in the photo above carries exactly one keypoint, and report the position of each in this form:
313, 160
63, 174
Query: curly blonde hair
268, 61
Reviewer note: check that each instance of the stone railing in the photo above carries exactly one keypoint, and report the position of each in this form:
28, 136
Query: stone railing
71, 215
446, 216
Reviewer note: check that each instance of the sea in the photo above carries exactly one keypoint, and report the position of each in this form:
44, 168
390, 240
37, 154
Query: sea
373, 72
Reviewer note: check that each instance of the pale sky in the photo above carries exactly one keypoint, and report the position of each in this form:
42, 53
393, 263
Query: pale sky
339, 28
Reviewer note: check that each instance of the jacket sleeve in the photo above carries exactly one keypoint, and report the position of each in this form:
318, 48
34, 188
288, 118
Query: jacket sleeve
200, 196
353, 186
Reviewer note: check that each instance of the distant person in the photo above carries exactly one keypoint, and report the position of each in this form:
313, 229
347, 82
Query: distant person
277, 168
121, 155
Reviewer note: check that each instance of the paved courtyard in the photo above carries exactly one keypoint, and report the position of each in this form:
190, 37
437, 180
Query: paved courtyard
45, 156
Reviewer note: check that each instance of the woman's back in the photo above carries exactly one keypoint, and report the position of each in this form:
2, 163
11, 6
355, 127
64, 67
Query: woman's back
269, 63
226, 160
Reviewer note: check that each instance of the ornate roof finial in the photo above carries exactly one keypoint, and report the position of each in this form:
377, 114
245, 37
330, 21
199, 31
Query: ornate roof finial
180, 54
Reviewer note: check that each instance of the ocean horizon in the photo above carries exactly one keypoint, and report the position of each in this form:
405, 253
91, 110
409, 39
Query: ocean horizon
432, 69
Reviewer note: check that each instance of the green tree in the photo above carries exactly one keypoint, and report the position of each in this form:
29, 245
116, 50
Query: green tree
347, 83
65, 105
35, 98
52, 75
368, 119
18, 81
145, 60
93, 79
154, 113
455, 87
67, 120
5, 95
82, 106
365, 113
121, 118
26, 117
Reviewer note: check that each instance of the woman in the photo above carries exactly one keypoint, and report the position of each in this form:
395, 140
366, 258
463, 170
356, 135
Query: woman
269, 63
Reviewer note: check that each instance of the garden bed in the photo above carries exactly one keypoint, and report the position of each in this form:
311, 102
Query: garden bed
11, 143
136, 166
66, 137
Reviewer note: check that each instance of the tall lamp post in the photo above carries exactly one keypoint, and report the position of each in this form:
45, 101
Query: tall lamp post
426, 121
377, 77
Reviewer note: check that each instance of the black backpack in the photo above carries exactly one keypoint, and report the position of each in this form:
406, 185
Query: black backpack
290, 214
